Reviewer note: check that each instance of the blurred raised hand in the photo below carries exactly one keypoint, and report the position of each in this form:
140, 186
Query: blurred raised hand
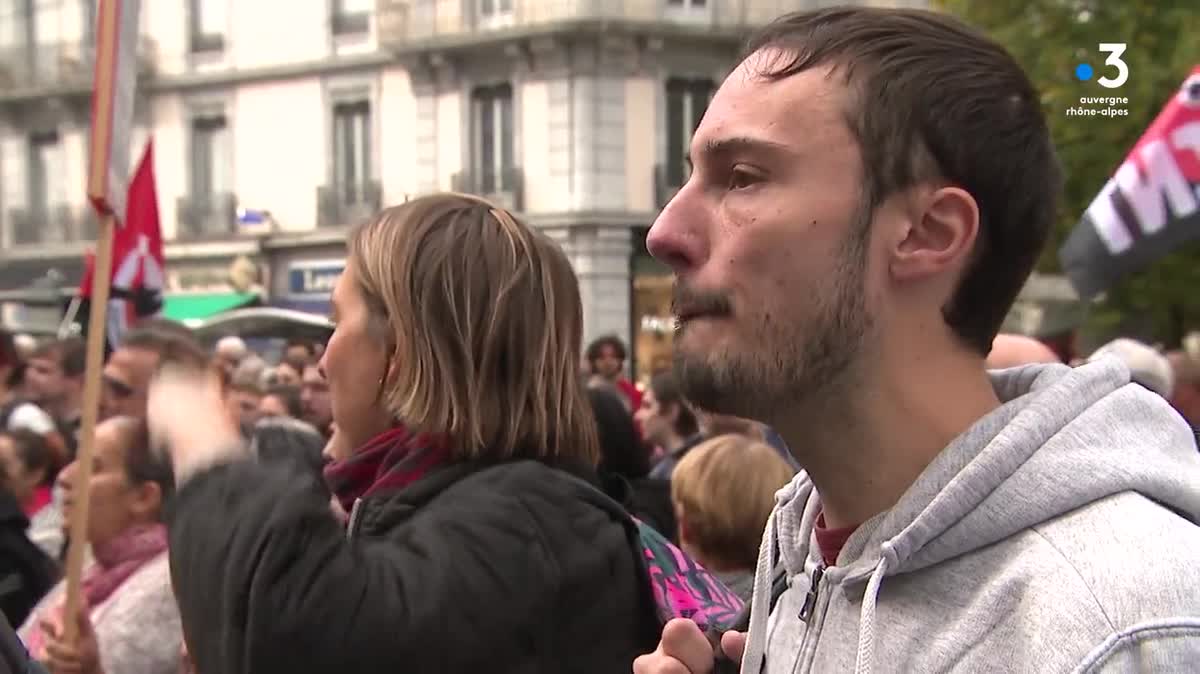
187, 415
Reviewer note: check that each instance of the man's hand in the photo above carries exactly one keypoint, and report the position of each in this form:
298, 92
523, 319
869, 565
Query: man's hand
685, 650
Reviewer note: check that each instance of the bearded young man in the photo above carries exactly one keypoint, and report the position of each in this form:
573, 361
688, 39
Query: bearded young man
871, 189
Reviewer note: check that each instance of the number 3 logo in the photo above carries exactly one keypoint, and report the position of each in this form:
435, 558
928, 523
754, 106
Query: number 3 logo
1114, 51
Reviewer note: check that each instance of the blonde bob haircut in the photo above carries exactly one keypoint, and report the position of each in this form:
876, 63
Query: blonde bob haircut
483, 318
723, 491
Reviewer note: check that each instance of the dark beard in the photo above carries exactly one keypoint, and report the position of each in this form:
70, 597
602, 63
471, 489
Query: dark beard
765, 381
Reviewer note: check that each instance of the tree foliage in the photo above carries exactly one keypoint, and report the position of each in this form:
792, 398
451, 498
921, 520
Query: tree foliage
1050, 38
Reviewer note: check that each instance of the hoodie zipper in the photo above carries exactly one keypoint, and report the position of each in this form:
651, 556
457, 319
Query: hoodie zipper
352, 525
810, 599
812, 613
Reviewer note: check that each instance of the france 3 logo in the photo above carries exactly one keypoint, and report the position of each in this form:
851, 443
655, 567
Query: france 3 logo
1084, 71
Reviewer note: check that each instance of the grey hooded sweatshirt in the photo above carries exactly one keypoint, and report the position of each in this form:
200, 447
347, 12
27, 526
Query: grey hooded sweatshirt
1058, 534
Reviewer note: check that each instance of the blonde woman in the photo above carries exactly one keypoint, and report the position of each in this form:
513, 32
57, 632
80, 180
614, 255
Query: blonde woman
468, 547
723, 492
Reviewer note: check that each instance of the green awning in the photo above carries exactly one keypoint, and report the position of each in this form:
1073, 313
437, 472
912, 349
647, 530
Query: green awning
202, 305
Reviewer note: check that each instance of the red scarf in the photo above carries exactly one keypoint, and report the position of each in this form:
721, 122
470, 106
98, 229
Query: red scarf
392, 460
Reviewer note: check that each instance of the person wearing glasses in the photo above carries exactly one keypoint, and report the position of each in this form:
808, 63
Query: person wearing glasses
129, 369
126, 380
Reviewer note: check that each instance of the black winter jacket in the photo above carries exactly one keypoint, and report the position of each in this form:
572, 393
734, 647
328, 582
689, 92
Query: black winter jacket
507, 568
14, 659
26, 573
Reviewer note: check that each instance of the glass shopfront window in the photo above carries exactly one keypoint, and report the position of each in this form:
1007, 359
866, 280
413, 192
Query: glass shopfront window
653, 326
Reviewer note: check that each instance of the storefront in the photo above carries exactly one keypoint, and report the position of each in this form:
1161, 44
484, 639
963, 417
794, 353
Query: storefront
304, 268
210, 278
652, 325
188, 308
309, 284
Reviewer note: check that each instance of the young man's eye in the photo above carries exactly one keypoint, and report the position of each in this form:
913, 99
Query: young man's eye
741, 178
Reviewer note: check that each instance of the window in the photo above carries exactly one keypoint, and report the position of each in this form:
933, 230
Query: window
686, 102
89, 21
17, 39
492, 138
38, 222
210, 159
208, 23
352, 150
11, 29
689, 11
351, 16
45, 173
494, 13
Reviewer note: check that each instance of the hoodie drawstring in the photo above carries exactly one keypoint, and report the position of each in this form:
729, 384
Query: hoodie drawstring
760, 602
866, 619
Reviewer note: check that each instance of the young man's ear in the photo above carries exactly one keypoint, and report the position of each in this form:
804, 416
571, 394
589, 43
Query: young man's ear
939, 234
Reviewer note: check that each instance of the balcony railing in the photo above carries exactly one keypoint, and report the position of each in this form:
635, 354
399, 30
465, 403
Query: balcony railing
505, 187
349, 23
206, 216
60, 223
413, 23
60, 66
349, 203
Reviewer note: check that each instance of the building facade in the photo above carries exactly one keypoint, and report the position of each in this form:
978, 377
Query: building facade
275, 132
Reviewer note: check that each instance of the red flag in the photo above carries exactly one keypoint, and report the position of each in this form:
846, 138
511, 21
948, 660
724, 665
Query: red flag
89, 272
1149, 207
138, 260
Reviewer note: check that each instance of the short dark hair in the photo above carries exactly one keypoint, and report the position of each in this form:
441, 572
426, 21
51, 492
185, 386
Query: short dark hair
597, 346
164, 326
172, 346
934, 99
621, 450
69, 353
9, 357
8, 349
35, 452
666, 392
290, 395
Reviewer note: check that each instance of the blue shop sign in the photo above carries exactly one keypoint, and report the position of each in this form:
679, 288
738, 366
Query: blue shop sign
314, 278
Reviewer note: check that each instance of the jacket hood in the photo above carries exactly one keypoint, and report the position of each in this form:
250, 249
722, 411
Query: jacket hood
1061, 439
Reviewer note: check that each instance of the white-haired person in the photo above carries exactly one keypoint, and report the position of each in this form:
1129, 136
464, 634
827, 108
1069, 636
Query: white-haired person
231, 350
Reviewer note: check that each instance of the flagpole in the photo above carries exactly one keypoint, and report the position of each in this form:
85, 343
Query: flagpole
98, 190
97, 323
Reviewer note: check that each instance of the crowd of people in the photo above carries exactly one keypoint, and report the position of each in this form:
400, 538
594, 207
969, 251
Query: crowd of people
283, 414
431, 489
